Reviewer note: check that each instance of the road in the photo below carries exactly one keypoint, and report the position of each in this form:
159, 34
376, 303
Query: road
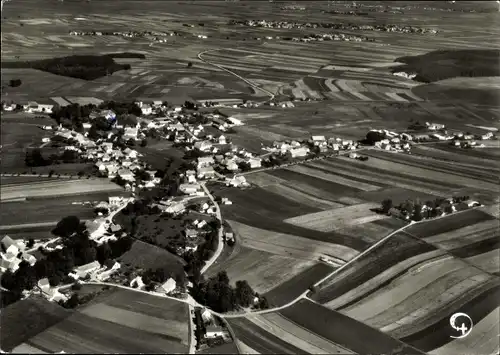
54, 176
200, 57
192, 327
220, 233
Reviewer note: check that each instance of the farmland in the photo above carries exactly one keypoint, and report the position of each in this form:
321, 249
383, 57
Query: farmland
25, 319
58, 188
261, 269
121, 322
395, 294
343, 330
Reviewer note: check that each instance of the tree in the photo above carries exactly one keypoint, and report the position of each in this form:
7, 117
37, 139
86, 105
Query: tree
144, 143
417, 214
387, 205
15, 83
31, 243
67, 227
244, 293
189, 65
54, 280
374, 136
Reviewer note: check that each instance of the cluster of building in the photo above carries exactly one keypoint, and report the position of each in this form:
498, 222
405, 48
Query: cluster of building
13, 253
328, 25
41, 106
397, 142
462, 140
453, 204
299, 149
320, 37
128, 34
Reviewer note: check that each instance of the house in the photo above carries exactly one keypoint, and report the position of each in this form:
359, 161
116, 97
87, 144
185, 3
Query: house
189, 188
318, 140
470, 203
44, 284
131, 132
438, 136
488, 135
29, 258
168, 286
11, 245
229, 236
85, 270
203, 146
206, 172
175, 208
130, 153
298, 152
221, 139
214, 332
126, 175
86, 125
235, 121
231, 165
107, 147
206, 315
137, 283
434, 126
146, 109
191, 233
205, 161
255, 162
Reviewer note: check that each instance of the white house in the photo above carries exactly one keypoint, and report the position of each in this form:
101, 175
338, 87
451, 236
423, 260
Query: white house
221, 139
137, 283
44, 284
189, 188
205, 161
107, 147
84, 270
255, 162
146, 109
298, 152
131, 153
12, 246
203, 145
214, 332
168, 286
206, 315
318, 140
235, 121
131, 132
175, 208
29, 258
206, 172
434, 126
231, 165
126, 175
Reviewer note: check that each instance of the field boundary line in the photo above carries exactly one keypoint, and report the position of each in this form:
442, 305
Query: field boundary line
255, 86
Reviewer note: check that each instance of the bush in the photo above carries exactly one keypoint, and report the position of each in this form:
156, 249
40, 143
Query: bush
15, 83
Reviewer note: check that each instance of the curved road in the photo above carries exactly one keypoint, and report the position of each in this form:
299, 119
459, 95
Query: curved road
200, 57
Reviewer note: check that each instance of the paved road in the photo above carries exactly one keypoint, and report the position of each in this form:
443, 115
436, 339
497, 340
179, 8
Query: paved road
192, 327
54, 176
220, 244
200, 57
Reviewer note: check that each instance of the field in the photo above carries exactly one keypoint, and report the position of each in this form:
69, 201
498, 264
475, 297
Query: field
147, 256
306, 327
25, 319
124, 321
405, 287
58, 188
227, 348
262, 270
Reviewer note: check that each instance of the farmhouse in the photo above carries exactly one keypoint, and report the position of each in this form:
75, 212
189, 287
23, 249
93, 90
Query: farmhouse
254, 162
168, 286
205, 161
85, 270
12, 246
203, 146
214, 332
137, 283
206, 315
318, 140
434, 126
126, 175
189, 188
298, 152
206, 172
176, 208
131, 132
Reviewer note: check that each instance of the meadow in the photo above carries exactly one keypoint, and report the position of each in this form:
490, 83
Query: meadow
123, 321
